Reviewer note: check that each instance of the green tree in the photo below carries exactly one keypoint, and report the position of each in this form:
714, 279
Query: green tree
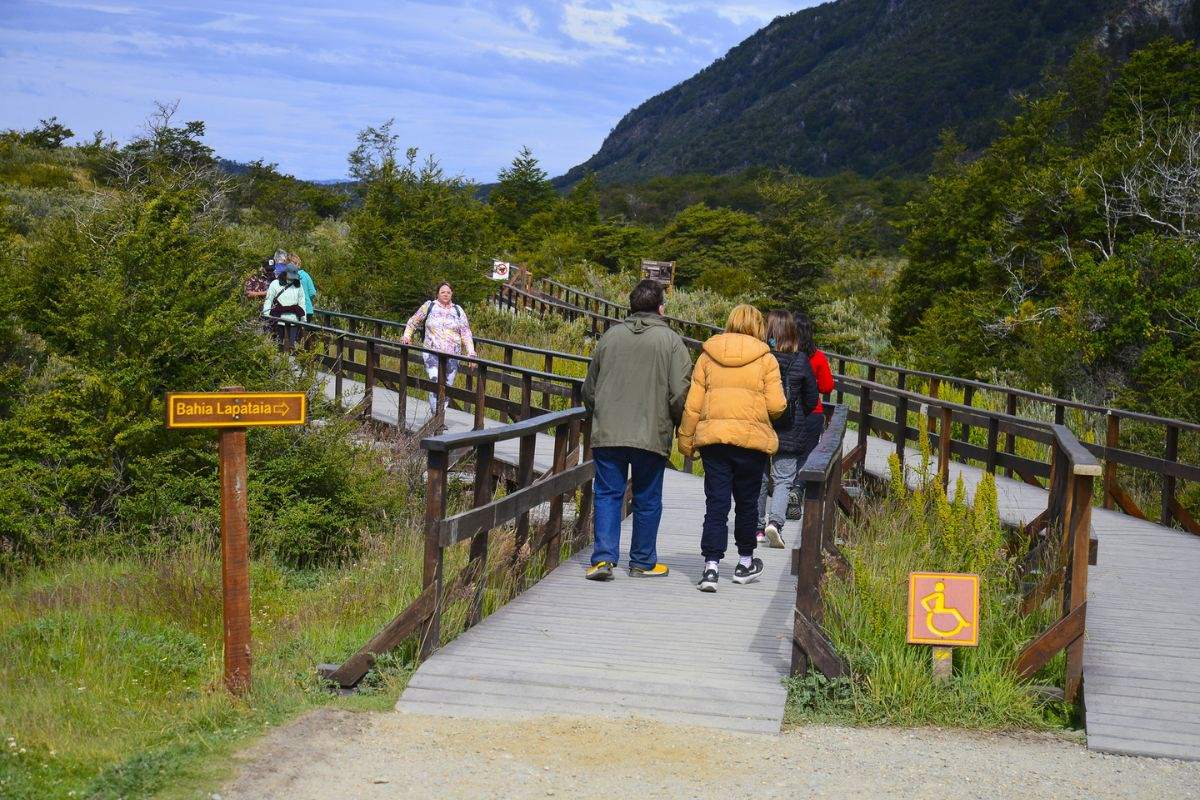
48, 134
523, 190
416, 227
700, 239
800, 238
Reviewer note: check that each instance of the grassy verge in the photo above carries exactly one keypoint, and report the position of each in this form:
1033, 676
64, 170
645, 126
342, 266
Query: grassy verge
891, 681
112, 668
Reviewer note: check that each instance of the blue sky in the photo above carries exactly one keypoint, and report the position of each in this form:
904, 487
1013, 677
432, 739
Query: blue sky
293, 82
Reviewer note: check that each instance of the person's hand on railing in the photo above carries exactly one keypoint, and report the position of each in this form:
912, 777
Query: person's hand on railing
406, 339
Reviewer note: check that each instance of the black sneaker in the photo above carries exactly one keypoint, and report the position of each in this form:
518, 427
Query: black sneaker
748, 574
708, 581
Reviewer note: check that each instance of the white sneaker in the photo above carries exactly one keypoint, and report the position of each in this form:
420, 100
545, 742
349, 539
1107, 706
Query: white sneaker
773, 535
760, 537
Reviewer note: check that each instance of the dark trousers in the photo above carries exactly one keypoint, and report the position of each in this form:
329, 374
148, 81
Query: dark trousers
737, 472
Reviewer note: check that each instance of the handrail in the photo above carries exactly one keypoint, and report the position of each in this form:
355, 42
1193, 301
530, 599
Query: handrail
1167, 467
391, 323
453, 441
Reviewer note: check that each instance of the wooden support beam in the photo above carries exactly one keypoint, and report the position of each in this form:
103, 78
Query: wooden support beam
815, 649
1038, 653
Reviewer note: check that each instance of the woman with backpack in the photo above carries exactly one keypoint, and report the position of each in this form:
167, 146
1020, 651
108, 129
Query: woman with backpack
792, 427
446, 330
735, 393
285, 303
815, 423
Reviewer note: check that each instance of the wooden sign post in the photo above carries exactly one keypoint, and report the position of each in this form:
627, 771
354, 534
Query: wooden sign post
943, 611
232, 411
661, 271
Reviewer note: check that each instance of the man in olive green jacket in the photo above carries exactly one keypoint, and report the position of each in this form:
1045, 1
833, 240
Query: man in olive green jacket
636, 387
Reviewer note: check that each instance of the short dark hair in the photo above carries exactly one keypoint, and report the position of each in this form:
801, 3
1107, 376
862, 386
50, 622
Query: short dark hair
646, 296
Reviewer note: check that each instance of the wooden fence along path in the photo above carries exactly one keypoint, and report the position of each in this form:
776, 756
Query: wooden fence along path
661, 649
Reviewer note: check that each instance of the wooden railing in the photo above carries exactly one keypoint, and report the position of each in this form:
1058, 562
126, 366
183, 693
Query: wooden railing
909, 389
513, 392
570, 473
824, 494
1060, 561
1038, 408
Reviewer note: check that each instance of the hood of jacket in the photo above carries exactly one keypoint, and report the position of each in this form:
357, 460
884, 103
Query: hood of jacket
643, 321
735, 349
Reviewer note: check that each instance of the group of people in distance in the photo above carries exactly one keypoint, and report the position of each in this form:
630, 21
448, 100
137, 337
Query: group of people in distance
750, 407
287, 292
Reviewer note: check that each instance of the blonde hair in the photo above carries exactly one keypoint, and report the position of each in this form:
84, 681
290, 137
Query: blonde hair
748, 320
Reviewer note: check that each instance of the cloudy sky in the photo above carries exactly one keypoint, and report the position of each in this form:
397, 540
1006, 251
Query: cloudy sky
293, 82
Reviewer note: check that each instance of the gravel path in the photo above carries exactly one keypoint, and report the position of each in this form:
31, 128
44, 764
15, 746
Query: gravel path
329, 754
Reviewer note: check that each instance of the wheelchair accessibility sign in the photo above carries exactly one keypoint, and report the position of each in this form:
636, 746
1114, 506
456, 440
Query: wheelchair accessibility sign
943, 609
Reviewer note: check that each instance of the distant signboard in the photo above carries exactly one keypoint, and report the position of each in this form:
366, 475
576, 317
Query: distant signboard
943, 609
235, 409
661, 271
501, 270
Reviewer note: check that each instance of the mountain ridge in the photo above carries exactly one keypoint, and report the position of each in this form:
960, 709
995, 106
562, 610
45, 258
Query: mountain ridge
867, 85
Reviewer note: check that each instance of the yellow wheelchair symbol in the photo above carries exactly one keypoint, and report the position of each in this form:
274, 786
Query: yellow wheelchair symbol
934, 604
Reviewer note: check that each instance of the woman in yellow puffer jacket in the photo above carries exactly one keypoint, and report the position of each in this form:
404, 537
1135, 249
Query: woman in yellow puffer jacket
736, 391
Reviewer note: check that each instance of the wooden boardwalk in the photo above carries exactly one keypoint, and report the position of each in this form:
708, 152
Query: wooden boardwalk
1141, 657
661, 649
656, 647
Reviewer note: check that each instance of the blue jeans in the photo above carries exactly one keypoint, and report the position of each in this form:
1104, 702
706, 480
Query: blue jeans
613, 465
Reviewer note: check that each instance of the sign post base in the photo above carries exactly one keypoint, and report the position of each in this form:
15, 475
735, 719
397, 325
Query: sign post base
943, 663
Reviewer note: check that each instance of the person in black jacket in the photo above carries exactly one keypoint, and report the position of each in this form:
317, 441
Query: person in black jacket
800, 386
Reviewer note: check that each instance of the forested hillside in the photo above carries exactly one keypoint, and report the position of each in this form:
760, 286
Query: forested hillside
868, 85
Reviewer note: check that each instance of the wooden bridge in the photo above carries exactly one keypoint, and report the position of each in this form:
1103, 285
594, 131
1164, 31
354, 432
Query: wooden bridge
659, 648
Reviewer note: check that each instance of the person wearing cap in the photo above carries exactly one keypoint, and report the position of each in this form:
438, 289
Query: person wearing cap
306, 283
284, 301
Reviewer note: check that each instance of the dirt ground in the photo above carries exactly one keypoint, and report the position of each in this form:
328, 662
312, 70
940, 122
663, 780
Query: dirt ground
335, 754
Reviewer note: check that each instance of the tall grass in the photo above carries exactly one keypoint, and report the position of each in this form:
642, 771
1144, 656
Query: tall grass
111, 666
865, 613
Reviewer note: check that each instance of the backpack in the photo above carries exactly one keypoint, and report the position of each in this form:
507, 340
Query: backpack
785, 420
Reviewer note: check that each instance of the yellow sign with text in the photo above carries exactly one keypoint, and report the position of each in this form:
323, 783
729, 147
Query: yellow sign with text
943, 609
235, 409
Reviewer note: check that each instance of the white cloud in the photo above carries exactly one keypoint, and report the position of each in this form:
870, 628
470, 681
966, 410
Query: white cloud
528, 18
596, 27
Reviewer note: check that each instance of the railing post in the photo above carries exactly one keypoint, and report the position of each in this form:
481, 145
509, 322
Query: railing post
369, 391
548, 366
431, 576
443, 362
968, 396
562, 442
484, 455
811, 563
993, 443
402, 397
1112, 439
1171, 453
338, 370
945, 438
508, 359
901, 414
526, 395
841, 362
864, 421
481, 378
525, 454
1081, 523
1060, 412
1010, 445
